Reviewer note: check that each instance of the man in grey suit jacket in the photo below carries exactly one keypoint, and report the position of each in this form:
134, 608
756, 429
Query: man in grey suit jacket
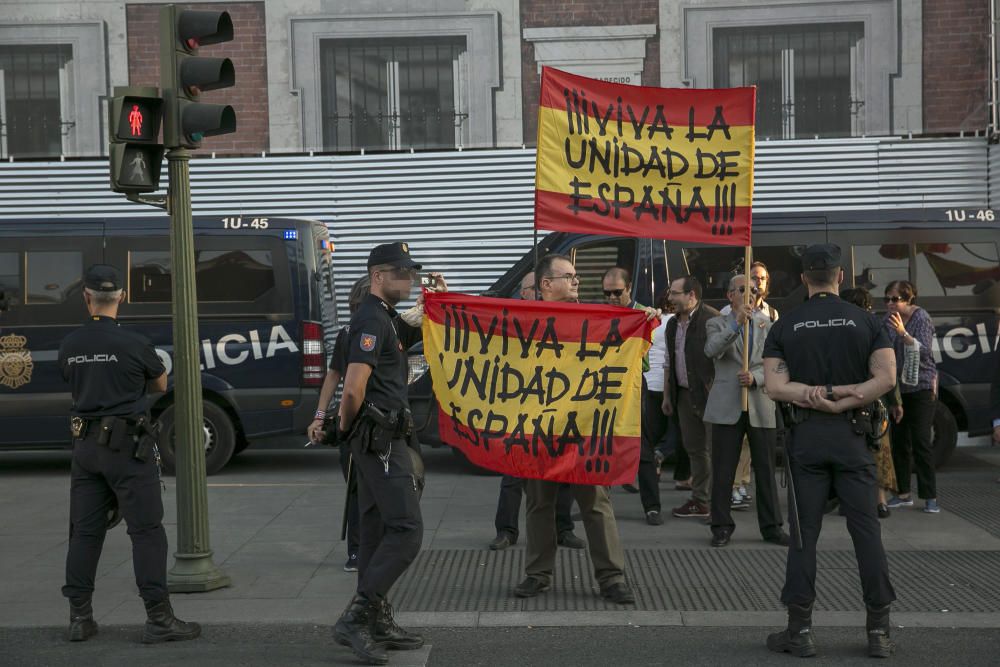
730, 423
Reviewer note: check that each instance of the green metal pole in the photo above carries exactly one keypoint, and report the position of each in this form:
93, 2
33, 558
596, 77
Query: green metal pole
193, 570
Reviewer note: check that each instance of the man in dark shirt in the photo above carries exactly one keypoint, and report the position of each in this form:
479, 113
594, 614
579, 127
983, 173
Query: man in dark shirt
375, 419
688, 377
830, 360
109, 370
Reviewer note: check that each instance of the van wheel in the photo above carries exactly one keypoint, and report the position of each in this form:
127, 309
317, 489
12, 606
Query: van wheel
944, 434
220, 438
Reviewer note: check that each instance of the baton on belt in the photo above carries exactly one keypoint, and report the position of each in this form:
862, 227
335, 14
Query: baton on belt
352, 484
793, 503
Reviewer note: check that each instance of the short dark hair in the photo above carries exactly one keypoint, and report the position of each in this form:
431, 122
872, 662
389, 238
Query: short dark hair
618, 272
690, 284
859, 296
906, 289
544, 267
821, 277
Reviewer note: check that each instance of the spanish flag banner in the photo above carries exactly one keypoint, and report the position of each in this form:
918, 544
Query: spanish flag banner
662, 163
538, 389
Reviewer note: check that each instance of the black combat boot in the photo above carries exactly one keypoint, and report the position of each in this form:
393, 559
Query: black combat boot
354, 629
163, 626
877, 625
797, 637
82, 625
386, 632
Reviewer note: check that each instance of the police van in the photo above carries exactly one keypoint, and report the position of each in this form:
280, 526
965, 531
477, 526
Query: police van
950, 255
265, 308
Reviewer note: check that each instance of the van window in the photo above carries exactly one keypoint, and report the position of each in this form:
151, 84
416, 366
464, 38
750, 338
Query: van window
52, 276
714, 266
10, 279
593, 259
875, 266
222, 275
956, 269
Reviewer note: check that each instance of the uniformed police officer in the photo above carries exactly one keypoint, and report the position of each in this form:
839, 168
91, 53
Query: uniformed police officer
110, 369
375, 419
830, 360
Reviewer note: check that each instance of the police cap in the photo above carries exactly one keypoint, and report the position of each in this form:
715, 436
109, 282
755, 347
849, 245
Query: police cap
102, 278
821, 256
395, 254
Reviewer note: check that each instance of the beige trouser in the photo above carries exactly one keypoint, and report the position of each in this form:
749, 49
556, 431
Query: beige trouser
743, 468
598, 520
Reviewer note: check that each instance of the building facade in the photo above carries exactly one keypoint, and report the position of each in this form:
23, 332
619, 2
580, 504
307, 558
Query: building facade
336, 76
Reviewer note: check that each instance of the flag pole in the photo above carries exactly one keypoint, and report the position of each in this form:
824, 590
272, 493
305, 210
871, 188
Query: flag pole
745, 391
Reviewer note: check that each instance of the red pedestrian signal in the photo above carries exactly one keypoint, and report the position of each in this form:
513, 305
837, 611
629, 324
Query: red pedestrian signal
138, 118
136, 155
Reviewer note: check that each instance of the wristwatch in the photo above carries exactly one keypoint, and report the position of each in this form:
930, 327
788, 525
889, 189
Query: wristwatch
829, 392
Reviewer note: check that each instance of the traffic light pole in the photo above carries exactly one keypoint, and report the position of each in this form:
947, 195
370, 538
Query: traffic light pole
194, 570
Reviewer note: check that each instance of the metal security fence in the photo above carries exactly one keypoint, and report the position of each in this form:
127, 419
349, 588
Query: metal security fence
469, 213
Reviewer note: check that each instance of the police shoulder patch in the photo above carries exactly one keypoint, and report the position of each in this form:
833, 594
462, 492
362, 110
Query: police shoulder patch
368, 342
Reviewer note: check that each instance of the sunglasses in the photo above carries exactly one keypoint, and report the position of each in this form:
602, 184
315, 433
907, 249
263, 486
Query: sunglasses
894, 299
614, 292
401, 273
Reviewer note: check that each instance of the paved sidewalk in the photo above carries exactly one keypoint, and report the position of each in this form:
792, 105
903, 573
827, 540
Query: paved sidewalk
275, 520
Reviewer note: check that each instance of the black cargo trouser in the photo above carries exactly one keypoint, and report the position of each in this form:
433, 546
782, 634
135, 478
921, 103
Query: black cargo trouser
353, 518
509, 507
99, 476
391, 529
826, 452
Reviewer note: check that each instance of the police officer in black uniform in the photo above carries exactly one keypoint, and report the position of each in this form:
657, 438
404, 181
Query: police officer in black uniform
828, 361
110, 370
375, 419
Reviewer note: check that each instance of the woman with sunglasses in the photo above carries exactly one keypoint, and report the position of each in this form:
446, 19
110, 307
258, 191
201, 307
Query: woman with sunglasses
909, 326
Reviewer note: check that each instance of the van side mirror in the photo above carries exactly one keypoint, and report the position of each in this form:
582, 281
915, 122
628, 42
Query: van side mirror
866, 279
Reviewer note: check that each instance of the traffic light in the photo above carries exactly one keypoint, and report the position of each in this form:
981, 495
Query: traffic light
134, 116
184, 75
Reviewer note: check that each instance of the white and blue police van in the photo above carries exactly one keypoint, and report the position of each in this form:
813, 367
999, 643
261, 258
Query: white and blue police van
951, 255
265, 310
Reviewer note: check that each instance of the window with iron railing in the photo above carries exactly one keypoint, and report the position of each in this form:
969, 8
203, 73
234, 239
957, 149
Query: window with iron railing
393, 94
810, 78
33, 100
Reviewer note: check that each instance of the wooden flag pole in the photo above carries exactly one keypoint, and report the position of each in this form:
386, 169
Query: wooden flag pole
745, 391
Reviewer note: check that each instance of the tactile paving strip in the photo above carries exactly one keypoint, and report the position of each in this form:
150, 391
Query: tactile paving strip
695, 580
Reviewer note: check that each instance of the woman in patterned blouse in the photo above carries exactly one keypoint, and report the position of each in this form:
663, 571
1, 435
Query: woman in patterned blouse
910, 325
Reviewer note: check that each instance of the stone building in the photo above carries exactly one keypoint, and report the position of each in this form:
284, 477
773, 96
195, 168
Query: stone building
347, 75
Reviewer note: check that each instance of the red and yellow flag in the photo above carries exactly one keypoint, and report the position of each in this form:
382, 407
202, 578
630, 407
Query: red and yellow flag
538, 389
660, 163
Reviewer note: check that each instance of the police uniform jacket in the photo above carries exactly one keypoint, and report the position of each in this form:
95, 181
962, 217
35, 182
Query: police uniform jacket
724, 345
107, 368
826, 341
701, 369
379, 338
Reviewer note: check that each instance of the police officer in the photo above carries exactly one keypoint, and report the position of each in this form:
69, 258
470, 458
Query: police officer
375, 419
110, 370
830, 360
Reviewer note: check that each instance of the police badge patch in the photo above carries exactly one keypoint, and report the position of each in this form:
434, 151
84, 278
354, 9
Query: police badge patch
15, 362
367, 342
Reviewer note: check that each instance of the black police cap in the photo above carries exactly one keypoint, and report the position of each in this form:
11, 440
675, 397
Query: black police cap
396, 254
821, 256
102, 278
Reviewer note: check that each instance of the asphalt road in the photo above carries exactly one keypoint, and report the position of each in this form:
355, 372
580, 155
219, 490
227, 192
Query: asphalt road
271, 645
